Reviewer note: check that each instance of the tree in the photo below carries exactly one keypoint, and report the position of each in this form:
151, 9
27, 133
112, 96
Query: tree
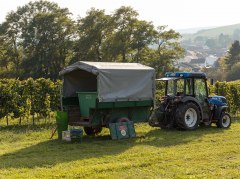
168, 50
217, 74
234, 73
233, 54
47, 39
124, 20
92, 32
129, 37
10, 36
4, 58
43, 31
40, 38
143, 36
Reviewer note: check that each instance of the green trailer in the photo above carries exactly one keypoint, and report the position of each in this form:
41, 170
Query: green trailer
97, 94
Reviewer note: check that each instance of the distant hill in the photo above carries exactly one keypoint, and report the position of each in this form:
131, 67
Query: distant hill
192, 30
213, 32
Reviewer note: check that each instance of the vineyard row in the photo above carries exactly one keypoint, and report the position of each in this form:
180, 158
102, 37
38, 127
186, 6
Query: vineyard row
22, 99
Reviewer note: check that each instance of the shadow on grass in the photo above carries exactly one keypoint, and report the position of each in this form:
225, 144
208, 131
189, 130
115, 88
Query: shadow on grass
52, 152
167, 138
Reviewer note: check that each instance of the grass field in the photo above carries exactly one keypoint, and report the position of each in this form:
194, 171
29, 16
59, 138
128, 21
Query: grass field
27, 152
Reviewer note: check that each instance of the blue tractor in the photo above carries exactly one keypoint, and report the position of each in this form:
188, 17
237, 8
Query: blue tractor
186, 103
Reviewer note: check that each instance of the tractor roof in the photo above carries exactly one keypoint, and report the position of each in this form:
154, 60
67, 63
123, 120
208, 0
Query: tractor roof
186, 74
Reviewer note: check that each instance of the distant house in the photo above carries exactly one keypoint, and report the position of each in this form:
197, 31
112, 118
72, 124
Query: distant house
198, 62
210, 60
184, 66
196, 69
195, 61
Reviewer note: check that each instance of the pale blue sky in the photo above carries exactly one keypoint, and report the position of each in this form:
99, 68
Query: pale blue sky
177, 14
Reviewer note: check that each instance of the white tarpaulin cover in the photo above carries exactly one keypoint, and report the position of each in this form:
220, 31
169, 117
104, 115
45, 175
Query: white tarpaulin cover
112, 81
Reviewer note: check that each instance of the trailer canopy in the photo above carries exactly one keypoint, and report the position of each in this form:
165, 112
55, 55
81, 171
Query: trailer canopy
112, 81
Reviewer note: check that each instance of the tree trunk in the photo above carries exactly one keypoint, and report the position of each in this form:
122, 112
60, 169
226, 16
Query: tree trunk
99, 55
123, 55
138, 52
7, 120
98, 50
33, 119
20, 120
16, 56
38, 117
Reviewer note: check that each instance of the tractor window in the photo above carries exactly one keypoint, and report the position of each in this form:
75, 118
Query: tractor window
189, 85
200, 90
170, 87
175, 87
180, 87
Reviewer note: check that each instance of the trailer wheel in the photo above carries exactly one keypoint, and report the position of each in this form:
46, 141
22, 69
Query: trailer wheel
225, 121
188, 116
92, 131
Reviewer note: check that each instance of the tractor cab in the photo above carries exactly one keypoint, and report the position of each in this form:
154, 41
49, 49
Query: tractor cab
186, 103
182, 84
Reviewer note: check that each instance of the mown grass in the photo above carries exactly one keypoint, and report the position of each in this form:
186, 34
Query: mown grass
27, 152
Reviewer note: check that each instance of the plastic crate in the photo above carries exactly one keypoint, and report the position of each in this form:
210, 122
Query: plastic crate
122, 130
76, 135
73, 135
66, 136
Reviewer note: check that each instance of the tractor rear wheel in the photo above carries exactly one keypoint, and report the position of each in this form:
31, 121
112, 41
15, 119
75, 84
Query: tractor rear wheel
188, 116
225, 121
92, 131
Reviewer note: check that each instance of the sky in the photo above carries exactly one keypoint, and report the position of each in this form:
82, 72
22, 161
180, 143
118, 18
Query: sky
176, 14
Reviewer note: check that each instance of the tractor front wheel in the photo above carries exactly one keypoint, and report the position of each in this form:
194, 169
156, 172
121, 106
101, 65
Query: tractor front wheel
92, 131
225, 121
188, 116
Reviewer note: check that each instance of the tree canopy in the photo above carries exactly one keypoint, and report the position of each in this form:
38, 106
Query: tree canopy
228, 66
40, 38
233, 54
